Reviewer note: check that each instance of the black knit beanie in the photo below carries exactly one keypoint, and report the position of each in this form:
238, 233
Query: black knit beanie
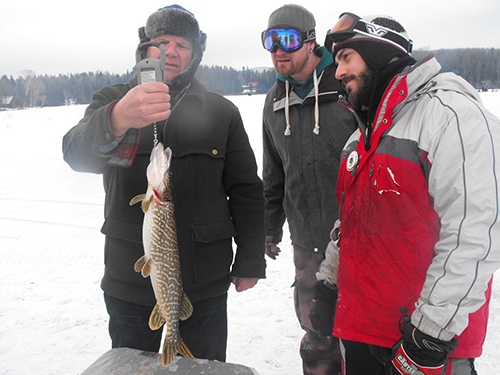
376, 52
177, 21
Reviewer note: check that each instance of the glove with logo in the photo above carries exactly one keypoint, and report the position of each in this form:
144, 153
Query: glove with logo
419, 353
322, 312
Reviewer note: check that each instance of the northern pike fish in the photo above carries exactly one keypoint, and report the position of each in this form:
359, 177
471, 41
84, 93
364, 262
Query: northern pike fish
161, 256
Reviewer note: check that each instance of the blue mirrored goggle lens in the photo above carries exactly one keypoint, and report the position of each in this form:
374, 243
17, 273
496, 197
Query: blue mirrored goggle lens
287, 39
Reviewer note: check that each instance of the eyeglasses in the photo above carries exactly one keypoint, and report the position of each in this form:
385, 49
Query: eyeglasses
289, 40
350, 24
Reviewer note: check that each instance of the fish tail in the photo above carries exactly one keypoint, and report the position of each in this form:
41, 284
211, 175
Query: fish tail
170, 349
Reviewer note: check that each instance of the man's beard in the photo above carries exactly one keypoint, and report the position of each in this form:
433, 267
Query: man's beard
296, 67
361, 94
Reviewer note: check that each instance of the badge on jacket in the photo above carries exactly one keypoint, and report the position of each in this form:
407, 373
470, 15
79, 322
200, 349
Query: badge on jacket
352, 161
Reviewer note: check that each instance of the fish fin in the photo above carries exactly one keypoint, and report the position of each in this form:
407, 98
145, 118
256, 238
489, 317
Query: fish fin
143, 265
186, 308
170, 350
156, 320
144, 198
146, 269
137, 199
140, 263
145, 205
184, 350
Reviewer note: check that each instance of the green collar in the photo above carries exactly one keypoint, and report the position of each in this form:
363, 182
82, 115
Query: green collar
302, 89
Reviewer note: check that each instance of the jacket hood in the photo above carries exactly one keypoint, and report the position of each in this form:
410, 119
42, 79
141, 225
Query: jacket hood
302, 89
447, 80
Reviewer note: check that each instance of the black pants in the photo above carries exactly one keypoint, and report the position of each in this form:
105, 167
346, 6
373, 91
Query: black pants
205, 332
363, 359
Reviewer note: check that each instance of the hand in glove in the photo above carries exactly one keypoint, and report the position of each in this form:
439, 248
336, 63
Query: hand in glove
419, 353
322, 312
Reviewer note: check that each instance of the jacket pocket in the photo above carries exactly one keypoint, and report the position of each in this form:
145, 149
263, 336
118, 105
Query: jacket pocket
212, 250
122, 229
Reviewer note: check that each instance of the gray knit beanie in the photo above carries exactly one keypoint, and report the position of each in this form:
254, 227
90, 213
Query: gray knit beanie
292, 16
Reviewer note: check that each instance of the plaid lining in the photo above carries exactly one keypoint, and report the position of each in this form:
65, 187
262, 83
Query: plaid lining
124, 147
125, 153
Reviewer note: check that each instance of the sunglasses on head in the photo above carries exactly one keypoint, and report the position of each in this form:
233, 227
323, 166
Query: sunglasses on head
350, 24
289, 40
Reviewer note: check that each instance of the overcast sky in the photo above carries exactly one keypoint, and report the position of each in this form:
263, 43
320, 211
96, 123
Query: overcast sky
52, 36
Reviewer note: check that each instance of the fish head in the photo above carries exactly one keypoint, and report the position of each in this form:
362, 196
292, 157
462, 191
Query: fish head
158, 172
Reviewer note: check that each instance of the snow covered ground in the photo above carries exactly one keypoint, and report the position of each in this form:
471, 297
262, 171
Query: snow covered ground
52, 315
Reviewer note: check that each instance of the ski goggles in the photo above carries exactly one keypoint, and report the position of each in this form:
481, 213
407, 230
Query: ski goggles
289, 40
350, 24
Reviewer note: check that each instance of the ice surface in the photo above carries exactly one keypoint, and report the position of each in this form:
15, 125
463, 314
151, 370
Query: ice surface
52, 315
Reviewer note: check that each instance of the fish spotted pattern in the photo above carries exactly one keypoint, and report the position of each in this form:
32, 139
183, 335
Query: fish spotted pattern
161, 259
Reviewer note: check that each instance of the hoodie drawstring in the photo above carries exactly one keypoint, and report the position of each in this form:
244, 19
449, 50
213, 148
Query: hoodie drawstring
316, 106
287, 109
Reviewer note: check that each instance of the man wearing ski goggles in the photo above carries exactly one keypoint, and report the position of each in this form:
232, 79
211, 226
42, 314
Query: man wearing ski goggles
407, 325
289, 40
304, 130
350, 24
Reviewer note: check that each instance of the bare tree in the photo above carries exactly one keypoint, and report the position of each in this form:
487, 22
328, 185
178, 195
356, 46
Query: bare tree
26, 76
37, 92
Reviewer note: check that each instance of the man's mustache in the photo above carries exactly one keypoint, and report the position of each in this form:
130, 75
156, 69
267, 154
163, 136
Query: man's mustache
346, 79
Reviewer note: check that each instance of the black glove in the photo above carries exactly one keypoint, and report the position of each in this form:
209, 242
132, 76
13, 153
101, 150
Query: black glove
322, 312
419, 353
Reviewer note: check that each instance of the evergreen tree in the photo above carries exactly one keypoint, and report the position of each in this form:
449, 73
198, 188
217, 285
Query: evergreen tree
480, 67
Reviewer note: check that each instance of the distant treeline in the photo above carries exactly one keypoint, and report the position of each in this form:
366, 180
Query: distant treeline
31, 90
480, 67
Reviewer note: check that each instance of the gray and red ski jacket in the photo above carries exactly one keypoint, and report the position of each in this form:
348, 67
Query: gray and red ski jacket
419, 214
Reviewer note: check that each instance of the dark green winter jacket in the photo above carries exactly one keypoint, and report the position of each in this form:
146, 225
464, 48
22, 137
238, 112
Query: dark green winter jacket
301, 160
217, 192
